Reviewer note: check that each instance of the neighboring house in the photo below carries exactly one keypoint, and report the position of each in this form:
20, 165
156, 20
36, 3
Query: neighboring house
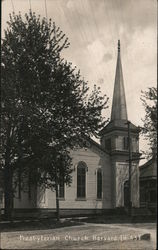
100, 171
148, 185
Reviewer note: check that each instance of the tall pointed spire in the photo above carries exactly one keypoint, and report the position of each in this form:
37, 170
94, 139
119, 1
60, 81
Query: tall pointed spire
119, 110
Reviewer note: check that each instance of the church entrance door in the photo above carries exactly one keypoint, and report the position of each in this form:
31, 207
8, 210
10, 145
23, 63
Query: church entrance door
126, 194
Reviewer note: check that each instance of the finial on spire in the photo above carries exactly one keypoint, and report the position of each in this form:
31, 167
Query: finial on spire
118, 45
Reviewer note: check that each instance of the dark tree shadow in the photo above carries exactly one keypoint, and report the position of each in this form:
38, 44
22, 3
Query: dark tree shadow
43, 224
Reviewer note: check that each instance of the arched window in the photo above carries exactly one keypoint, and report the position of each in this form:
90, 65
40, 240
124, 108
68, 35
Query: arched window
81, 180
99, 184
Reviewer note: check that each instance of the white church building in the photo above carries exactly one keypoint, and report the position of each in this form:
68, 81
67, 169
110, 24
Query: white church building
100, 170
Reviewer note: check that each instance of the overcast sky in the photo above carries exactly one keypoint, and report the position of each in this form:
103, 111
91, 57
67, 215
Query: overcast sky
93, 28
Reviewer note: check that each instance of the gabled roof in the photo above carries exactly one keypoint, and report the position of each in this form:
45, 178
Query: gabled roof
97, 145
87, 142
149, 169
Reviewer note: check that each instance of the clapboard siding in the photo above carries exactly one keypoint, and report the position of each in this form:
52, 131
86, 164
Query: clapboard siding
94, 159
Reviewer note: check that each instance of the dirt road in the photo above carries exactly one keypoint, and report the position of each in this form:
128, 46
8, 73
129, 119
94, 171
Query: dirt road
87, 236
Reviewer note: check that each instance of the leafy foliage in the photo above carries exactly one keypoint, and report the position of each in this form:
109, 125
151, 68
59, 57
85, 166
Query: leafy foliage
46, 105
149, 100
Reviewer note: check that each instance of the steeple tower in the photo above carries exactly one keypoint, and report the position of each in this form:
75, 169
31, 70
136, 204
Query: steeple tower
114, 139
117, 127
119, 109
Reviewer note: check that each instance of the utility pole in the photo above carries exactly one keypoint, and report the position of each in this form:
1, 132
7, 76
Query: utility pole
130, 160
130, 166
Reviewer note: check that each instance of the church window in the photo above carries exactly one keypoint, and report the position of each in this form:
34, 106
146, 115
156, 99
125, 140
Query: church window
61, 189
134, 145
108, 144
125, 143
81, 180
99, 184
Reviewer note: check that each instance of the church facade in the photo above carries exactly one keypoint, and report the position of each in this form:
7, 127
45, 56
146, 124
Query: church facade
100, 177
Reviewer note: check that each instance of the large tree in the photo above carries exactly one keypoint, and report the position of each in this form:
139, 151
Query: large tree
47, 107
149, 130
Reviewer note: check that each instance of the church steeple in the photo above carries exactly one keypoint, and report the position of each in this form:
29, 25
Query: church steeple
119, 109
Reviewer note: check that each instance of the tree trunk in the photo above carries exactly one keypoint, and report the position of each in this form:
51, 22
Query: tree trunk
29, 184
8, 192
57, 196
8, 182
19, 181
57, 204
19, 165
